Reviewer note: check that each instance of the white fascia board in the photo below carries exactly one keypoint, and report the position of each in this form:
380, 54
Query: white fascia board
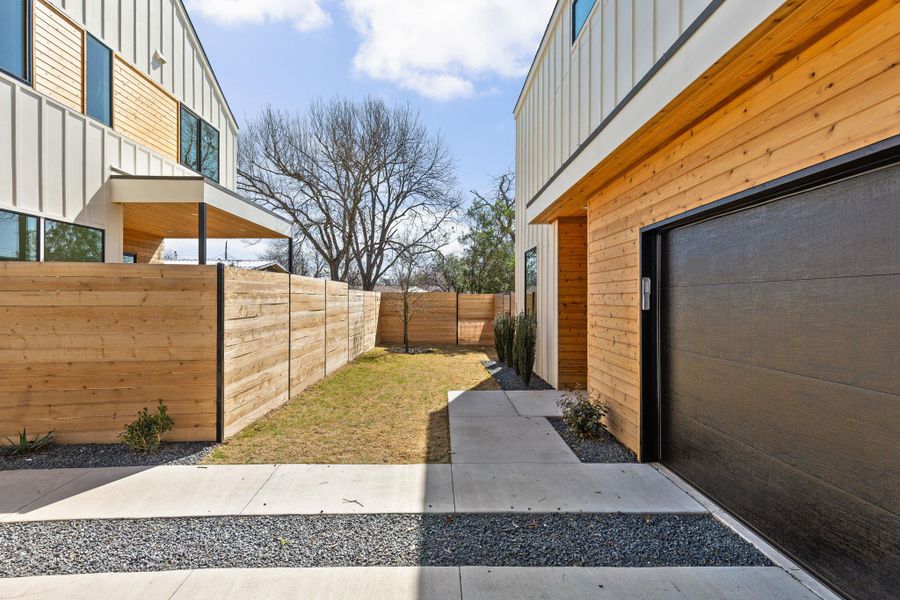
231, 203
132, 189
729, 24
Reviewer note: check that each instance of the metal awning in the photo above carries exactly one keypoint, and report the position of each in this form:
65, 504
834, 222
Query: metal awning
171, 207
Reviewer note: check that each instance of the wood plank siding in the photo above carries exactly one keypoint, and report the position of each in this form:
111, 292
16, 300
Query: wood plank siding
58, 55
816, 81
143, 111
572, 289
147, 248
88, 346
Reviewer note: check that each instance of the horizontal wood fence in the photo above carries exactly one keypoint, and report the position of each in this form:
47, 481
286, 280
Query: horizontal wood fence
443, 318
84, 347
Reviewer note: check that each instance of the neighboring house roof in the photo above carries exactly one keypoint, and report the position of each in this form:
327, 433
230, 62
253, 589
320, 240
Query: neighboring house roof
255, 265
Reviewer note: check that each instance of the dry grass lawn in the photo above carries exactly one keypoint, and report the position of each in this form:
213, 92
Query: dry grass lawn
381, 408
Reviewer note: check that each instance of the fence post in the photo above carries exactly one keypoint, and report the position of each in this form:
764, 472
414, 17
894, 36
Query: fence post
325, 335
220, 352
457, 318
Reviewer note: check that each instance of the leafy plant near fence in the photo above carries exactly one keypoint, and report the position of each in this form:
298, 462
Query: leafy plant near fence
144, 434
583, 412
26, 446
504, 332
524, 344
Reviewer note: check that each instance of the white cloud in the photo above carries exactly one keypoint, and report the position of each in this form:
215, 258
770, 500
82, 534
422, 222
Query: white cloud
443, 49
304, 15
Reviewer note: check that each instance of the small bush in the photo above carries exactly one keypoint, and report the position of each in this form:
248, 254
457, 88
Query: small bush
524, 344
504, 330
583, 413
26, 446
145, 433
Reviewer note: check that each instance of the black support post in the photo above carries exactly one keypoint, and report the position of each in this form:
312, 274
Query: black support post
220, 352
290, 264
201, 233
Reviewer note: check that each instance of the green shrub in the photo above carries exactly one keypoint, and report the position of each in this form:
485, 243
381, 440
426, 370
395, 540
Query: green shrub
145, 433
583, 413
26, 446
504, 329
524, 344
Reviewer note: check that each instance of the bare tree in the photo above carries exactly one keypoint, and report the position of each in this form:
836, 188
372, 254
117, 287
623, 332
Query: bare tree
409, 269
356, 178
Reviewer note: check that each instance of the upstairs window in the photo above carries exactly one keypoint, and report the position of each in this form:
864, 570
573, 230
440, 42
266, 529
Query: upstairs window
199, 145
14, 43
580, 11
18, 236
99, 81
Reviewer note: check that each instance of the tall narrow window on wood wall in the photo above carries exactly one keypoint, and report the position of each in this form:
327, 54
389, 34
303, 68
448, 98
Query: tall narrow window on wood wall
199, 145
14, 42
99, 81
531, 281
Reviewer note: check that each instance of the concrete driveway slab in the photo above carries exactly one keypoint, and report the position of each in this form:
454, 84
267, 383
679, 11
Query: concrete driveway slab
568, 488
479, 404
506, 440
614, 583
537, 403
333, 489
21, 488
356, 583
139, 492
121, 586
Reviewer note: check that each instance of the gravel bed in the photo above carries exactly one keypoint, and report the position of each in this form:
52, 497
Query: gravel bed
108, 455
508, 379
68, 547
603, 448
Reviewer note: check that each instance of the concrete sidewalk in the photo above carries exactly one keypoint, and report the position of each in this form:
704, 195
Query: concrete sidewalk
421, 583
187, 491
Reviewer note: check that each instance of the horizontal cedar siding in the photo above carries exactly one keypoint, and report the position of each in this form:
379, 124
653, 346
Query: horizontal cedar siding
143, 112
572, 303
58, 48
839, 93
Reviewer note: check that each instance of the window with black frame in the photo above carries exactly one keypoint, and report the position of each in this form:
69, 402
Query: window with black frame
98, 81
531, 281
199, 145
580, 11
18, 236
68, 242
14, 42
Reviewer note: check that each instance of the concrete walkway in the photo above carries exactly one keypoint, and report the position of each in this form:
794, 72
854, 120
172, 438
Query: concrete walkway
505, 458
421, 583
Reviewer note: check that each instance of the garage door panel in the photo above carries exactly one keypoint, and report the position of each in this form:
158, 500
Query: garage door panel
845, 531
780, 379
768, 324
838, 434
796, 238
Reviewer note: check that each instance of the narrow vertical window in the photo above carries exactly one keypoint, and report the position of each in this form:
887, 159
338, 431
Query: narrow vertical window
18, 236
14, 38
99, 81
190, 140
209, 151
531, 281
580, 11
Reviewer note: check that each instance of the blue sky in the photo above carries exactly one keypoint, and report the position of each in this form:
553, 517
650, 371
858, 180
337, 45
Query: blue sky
460, 64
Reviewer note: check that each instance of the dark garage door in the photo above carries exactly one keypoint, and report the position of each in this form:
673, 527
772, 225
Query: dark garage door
780, 386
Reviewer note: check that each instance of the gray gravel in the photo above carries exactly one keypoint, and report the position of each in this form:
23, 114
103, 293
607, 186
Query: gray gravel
108, 455
508, 380
68, 547
602, 448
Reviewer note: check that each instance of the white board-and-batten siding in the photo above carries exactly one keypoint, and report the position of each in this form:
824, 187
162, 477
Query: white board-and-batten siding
54, 160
